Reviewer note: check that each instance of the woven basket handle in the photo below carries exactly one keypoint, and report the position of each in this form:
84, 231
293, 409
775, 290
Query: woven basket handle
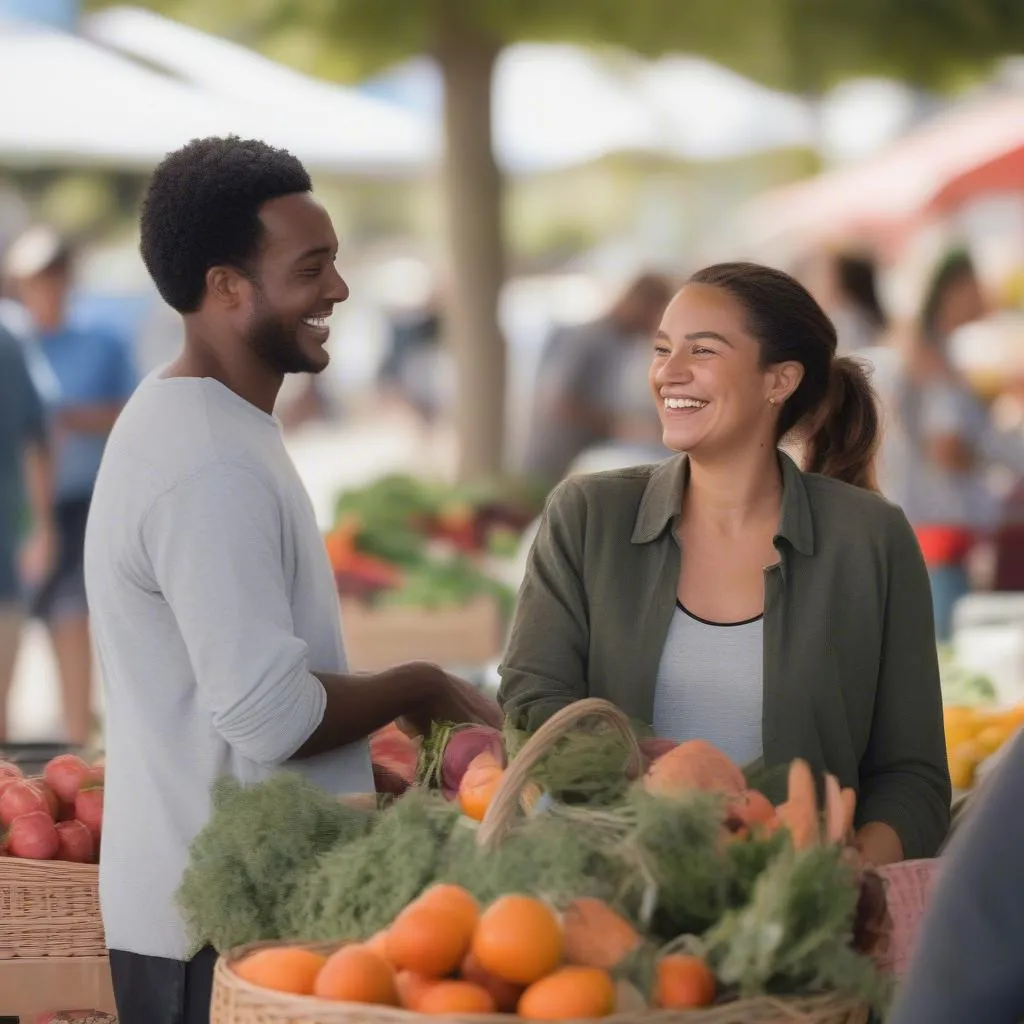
504, 806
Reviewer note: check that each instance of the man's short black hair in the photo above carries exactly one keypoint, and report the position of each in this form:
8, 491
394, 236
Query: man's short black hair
202, 210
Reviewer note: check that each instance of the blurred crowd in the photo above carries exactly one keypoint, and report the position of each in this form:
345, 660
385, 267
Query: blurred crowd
952, 456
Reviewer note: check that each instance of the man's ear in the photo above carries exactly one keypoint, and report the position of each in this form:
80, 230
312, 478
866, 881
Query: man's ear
225, 286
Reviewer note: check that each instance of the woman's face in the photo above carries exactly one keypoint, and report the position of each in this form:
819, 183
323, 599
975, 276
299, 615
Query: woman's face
712, 394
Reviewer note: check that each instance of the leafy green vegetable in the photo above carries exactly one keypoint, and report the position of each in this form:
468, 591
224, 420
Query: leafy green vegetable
245, 863
358, 887
796, 932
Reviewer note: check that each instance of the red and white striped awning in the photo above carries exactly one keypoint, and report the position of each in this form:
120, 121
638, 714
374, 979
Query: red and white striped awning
973, 148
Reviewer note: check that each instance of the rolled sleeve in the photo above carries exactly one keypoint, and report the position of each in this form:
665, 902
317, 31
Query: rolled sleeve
545, 663
216, 550
904, 774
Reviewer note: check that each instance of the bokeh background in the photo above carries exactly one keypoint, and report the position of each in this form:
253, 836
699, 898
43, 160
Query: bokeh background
513, 181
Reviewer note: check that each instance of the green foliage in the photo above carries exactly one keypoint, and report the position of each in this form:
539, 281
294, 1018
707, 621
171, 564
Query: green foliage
282, 860
245, 863
359, 887
795, 933
799, 44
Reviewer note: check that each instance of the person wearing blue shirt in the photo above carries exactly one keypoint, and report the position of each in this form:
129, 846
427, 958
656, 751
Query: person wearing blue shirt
95, 376
26, 524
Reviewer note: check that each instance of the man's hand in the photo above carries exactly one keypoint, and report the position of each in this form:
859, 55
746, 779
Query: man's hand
38, 555
453, 700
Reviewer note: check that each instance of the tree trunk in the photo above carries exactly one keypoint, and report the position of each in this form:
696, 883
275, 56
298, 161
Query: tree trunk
472, 190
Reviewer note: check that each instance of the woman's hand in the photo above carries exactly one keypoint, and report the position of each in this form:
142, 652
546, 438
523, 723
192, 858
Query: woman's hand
876, 844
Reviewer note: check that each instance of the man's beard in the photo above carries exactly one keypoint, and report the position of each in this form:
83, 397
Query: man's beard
277, 345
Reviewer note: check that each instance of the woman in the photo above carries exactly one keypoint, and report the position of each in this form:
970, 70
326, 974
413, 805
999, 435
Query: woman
845, 283
944, 442
727, 595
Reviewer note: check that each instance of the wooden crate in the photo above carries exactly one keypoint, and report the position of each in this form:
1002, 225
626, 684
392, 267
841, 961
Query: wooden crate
376, 638
30, 987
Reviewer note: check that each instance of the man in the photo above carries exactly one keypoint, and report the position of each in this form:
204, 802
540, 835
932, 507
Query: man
967, 966
94, 377
581, 377
214, 605
25, 480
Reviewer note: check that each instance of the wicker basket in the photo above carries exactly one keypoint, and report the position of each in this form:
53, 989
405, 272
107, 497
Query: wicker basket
238, 1002
49, 908
908, 887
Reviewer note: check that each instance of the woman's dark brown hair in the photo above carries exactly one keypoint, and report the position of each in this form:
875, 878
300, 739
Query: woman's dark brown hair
834, 409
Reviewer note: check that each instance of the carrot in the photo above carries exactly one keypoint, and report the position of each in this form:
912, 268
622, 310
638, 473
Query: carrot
849, 798
835, 811
800, 811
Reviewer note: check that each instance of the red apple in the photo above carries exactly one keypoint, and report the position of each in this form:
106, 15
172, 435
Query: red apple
64, 774
23, 798
89, 809
76, 843
32, 836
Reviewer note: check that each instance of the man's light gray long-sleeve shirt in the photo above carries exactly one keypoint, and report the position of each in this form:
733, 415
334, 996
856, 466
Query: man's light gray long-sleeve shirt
212, 604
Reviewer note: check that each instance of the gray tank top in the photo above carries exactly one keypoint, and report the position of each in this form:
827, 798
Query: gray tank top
710, 684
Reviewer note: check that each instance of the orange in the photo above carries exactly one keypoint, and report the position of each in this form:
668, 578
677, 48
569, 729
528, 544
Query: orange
451, 997
504, 993
518, 939
595, 936
355, 975
684, 982
377, 944
411, 988
282, 969
571, 993
479, 784
453, 900
428, 940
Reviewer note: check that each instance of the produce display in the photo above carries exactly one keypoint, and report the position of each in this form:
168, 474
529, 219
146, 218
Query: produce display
405, 541
56, 817
961, 686
973, 735
671, 883
444, 953
976, 726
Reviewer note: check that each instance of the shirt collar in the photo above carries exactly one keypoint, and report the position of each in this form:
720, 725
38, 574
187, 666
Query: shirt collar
662, 502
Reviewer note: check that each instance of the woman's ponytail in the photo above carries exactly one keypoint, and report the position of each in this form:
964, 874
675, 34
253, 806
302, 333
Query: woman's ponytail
843, 434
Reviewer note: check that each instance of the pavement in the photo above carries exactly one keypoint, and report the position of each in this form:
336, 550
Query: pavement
328, 457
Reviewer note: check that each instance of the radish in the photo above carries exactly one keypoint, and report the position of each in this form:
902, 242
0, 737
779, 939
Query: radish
32, 836
22, 798
464, 744
76, 843
89, 809
64, 775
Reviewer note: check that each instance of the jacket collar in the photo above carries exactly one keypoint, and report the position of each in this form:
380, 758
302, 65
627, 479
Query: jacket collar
662, 502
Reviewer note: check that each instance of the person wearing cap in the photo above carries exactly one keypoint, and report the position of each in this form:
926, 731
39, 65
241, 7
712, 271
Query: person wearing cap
94, 376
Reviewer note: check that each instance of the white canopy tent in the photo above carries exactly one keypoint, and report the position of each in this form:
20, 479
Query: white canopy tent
555, 106
66, 100
326, 124
70, 101
705, 111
